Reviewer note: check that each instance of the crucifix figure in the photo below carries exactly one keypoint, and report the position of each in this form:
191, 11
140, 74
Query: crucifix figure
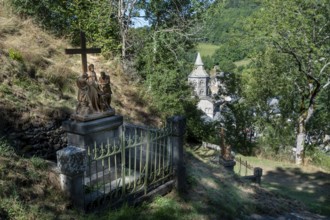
225, 148
92, 100
83, 51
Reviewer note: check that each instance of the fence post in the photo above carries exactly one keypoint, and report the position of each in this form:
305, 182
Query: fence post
71, 163
177, 126
257, 173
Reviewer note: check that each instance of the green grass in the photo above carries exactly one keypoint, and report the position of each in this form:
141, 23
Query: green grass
260, 162
314, 203
307, 184
207, 49
6, 150
324, 161
39, 163
242, 62
318, 158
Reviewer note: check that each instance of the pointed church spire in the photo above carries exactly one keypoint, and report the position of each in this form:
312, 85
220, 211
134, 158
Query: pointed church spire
199, 61
199, 70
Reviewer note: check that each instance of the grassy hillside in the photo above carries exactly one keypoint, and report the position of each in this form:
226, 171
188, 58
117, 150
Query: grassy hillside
308, 184
38, 92
207, 49
38, 89
28, 192
35, 69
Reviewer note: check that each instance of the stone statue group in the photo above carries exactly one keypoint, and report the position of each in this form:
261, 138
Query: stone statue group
94, 95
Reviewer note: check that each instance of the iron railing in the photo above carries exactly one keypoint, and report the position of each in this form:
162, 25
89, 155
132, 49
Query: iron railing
129, 167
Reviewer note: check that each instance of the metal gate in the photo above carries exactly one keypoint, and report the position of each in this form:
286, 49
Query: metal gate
129, 167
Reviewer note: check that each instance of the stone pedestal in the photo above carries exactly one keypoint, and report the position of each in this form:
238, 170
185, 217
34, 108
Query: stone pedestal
89, 133
177, 126
228, 164
71, 163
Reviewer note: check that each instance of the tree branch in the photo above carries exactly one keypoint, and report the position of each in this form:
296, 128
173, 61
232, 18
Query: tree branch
291, 52
323, 68
327, 84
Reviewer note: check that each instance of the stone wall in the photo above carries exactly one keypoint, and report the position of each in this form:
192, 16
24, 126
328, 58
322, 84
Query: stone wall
39, 136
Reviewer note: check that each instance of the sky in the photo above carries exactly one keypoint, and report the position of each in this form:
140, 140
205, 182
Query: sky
140, 22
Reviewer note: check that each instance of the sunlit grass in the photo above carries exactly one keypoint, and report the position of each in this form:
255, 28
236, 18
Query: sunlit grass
207, 49
242, 62
294, 187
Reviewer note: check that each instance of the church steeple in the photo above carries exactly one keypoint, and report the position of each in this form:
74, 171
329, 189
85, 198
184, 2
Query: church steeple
199, 78
199, 61
199, 70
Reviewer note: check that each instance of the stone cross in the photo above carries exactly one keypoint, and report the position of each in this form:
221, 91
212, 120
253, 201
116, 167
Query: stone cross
83, 51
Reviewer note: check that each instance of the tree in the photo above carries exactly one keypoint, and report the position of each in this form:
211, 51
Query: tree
223, 20
297, 37
69, 17
126, 11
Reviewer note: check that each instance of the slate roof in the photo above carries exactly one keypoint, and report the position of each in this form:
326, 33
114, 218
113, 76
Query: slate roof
199, 70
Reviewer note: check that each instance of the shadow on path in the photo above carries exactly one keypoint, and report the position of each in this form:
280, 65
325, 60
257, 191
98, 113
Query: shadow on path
312, 188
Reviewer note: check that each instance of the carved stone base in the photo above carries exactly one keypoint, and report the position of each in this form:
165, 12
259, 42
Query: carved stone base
98, 131
228, 164
94, 116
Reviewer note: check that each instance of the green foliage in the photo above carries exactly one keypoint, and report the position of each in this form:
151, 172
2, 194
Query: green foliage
166, 209
6, 89
163, 58
12, 208
27, 84
292, 63
70, 17
227, 66
207, 49
317, 157
320, 122
232, 50
39, 163
52, 14
236, 115
277, 140
197, 129
224, 19
208, 62
224, 26
15, 55
6, 149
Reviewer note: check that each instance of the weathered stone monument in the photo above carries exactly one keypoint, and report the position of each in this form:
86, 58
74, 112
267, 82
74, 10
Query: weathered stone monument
94, 119
226, 159
93, 123
108, 162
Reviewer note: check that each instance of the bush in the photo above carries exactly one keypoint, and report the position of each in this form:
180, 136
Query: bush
197, 129
317, 157
39, 163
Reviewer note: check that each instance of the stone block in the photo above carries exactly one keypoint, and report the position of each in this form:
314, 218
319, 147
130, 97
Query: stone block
227, 164
71, 161
89, 133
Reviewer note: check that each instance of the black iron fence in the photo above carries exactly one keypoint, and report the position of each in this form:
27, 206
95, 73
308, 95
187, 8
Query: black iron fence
133, 165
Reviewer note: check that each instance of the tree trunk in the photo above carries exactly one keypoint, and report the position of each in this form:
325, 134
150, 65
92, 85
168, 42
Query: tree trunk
300, 140
301, 134
121, 20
